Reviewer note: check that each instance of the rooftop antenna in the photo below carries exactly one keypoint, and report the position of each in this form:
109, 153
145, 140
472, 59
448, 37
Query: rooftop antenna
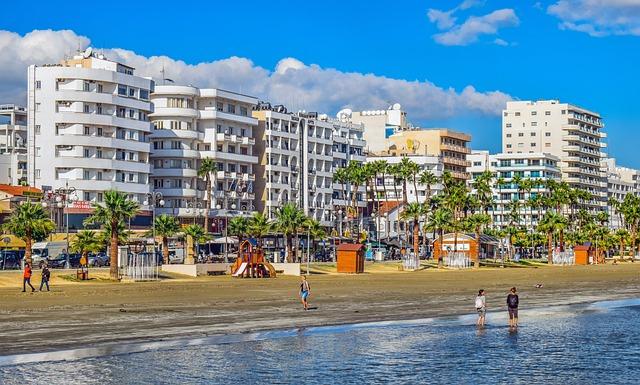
164, 79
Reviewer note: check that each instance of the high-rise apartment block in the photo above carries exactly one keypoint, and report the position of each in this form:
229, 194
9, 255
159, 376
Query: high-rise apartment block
13, 144
88, 127
571, 133
379, 125
191, 124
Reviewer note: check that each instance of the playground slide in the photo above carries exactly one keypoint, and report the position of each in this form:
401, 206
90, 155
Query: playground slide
240, 270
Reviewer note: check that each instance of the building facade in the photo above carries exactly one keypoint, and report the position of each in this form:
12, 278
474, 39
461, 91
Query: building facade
191, 124
13, 144
88, 128
621, 181
379, 125
573, 134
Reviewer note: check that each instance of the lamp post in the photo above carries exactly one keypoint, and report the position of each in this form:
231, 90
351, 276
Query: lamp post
226, 233
154, 200
197, 210
62, 198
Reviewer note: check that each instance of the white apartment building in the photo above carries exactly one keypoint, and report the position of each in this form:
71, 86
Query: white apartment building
88, 127
298, 154
620, 182
379, 125
13, 144
191, 124
569, 132
386, 217
507, 166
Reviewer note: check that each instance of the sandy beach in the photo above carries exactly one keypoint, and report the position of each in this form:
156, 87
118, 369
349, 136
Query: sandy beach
81, 314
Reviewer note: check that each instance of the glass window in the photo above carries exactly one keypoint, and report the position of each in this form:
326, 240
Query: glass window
122, 90
144, 94
231, 108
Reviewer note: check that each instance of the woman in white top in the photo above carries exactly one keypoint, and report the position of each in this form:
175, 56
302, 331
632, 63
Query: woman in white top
481, 307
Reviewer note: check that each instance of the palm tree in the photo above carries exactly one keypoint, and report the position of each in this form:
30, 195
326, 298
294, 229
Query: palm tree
239, 227
413, 212
289, 219
406, 172
29, 222
477, 222
116, 210
427, 179
341, 175
551, 223
440, 221
207, 167
166, 227
197, 235
357, 177
316, 231
258, 227
86, 241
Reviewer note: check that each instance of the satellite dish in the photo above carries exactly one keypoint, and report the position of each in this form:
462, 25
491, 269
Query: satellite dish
87, 52
397, 106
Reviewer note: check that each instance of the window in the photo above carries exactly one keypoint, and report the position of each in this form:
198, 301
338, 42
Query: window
37, 173
219, 129
231, 149
132, 113
231, 108
86, 87
534, 124
175, 145
99, 108
219, 106
86, 195
219, 147
99, 197
37, 106
547, 113
99, 88
38, 84
144, 94
99, 131
99, 154
99, 175
547, 144
87, 154
520, 134
477, 163
508, 135
130, 177
86, 108
519, 161
517, 114
547, 134
243, 111
534, 113
533, 144
132, 92
37, 129
506, 114
508, 145
564, 112
533, 134
122, 90
87, 130
520, 144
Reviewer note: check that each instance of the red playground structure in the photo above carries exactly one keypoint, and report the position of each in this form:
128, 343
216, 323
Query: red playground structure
251, 263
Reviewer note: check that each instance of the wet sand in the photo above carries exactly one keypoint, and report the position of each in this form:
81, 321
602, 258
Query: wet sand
77, 315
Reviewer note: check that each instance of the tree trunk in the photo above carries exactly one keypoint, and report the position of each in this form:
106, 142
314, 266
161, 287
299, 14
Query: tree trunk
476, 263
113, 252
27, 248
287, 247
621, 247
165, 250
415, 187
550, 248
440, 240
207, 204
416, 237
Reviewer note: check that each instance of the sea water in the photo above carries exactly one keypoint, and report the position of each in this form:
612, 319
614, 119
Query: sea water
580, 344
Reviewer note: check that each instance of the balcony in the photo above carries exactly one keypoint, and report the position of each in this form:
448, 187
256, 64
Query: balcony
455, 148
456, 161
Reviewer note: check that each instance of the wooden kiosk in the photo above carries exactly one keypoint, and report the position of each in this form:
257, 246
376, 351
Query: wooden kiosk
351, 258
251, 263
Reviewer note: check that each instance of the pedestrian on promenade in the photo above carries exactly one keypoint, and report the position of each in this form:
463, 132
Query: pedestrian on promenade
26, 278
304, 292
46, 274
481, 307
512, 305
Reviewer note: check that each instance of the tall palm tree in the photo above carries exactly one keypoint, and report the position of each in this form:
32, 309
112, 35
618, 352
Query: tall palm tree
406, 172
258, 227
427, 179
289, 219
166, 227
86, 241
197, 235
341, 175
440, 221
413, 212
357, 177
116, 209
551, 223
29, 222
477, 222
207, 167
316, 231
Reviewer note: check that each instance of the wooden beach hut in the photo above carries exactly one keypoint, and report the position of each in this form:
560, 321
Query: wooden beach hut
351, 258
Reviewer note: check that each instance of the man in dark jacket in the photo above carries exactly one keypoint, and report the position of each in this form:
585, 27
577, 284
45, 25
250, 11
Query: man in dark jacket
46, 274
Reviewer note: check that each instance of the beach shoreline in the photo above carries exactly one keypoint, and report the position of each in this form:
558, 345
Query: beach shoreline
93, 314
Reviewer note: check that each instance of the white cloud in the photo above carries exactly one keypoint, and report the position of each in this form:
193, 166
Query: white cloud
442, 19
598, 17
501, 42
292, 82
476, 26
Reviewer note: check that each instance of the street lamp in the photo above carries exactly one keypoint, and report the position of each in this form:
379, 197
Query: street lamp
226, 233
197, 209
154, 200
63, 197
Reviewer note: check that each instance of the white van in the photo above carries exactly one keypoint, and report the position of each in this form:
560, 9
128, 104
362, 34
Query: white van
40, 251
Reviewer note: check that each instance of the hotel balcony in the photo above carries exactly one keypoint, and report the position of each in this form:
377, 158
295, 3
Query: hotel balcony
455, 148
456, 161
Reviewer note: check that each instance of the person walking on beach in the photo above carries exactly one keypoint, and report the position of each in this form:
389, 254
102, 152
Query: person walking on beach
46, 274
481, 307
304, 292
512, 306
26, 278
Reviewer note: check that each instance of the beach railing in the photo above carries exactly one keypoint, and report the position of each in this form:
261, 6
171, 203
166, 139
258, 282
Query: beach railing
564, 258
141, 267
410, 262
457, 260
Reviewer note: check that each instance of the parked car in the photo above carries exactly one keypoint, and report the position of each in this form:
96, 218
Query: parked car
175, 258
98, 260
60, 261
10, 260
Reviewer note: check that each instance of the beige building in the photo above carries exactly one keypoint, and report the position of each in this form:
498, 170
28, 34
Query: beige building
379, 125
569, 132
450, 146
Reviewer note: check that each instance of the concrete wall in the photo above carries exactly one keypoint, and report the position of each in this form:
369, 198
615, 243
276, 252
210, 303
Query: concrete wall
204, 268
287, 268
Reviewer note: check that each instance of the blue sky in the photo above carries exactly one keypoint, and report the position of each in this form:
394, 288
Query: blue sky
579, 51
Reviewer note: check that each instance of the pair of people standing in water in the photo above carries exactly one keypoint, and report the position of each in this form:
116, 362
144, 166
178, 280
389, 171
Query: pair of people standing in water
513, 302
